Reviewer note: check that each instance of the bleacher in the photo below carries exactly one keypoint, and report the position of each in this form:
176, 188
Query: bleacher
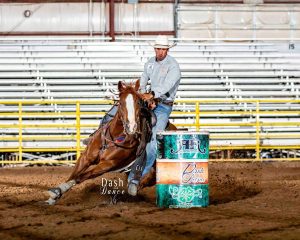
82, 70
86, 70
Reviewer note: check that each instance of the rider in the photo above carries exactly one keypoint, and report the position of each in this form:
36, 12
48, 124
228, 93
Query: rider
164, 75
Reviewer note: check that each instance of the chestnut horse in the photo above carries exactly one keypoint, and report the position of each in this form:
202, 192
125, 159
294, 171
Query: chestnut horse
105, 151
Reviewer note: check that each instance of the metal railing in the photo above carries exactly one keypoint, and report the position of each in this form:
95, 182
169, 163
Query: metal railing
252, 125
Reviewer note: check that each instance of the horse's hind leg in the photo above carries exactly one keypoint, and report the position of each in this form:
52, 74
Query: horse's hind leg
149, 179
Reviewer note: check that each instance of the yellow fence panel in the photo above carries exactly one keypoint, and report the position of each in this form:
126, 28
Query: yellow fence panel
57, 126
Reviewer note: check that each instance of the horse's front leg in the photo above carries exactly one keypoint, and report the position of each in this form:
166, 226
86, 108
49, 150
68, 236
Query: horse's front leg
149, 179
91, 172
88, 157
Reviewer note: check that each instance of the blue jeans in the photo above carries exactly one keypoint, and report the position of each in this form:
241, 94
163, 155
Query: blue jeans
162, 113
109, 115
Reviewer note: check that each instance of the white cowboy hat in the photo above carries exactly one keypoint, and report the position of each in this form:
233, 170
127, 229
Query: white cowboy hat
162, 41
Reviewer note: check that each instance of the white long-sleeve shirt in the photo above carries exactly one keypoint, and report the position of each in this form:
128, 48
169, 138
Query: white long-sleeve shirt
164, 76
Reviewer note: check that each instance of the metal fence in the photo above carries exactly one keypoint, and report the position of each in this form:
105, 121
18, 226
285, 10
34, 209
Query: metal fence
256, 126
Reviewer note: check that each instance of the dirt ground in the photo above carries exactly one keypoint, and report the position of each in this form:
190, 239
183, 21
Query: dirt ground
247, 201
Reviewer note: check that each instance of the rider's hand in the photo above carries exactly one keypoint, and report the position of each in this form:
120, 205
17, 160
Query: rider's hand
151, 104
147, 96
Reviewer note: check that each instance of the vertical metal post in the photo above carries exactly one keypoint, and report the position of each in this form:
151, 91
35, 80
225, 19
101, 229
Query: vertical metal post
197, 117
20, 133
77, 129
112, 20
257, 148
121, 16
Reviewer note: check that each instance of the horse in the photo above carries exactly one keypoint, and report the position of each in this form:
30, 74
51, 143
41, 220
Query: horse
105, 152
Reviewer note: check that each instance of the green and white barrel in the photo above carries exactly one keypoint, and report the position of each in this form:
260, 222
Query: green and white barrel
182, 169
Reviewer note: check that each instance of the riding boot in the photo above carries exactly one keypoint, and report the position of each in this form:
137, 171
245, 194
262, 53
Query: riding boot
136, 174
133, 187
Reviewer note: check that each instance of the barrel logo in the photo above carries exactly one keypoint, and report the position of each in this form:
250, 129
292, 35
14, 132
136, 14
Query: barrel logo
188, 146
178, 172
184, 196
193, 175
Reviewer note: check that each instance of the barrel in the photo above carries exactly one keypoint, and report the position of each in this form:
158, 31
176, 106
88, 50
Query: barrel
182, 169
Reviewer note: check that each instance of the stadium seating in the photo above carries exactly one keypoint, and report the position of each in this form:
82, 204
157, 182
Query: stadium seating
96, 65
90, 70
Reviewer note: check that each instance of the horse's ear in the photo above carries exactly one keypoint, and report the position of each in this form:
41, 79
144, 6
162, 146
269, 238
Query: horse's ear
121, 86
137, 85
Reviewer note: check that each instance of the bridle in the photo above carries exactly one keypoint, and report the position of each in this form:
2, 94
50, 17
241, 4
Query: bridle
121, 114
107, 138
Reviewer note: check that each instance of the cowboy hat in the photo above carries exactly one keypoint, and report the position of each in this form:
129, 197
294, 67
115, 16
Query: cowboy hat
162, 41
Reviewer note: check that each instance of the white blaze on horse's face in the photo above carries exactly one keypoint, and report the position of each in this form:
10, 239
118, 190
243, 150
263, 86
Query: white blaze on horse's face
131, 126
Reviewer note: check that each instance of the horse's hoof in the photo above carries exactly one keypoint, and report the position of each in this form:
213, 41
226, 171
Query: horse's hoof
50, 201
54, 193
132, 189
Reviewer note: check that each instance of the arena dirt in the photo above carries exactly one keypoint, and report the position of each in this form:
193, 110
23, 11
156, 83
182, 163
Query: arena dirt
247, 201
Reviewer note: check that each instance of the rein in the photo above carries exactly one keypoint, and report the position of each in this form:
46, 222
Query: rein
107, 137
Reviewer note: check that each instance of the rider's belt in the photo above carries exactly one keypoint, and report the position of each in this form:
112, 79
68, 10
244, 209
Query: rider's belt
169, 103
166, 102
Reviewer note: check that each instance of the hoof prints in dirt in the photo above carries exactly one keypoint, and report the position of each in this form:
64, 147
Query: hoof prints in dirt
223, 189
92, 193
228, 188
271, 214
